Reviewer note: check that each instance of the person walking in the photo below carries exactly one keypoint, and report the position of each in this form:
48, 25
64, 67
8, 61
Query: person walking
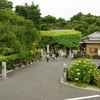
57, 55
47, 57
72, 55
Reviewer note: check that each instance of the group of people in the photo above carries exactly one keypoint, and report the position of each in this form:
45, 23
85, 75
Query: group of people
55, 56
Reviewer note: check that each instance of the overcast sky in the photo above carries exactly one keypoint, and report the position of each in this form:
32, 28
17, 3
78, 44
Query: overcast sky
63, 8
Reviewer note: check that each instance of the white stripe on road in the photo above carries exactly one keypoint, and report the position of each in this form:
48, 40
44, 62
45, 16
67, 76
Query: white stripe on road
86, 97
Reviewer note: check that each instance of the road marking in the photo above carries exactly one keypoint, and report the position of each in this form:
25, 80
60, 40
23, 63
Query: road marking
86, 97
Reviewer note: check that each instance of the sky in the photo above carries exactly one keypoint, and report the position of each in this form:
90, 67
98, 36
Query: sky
63, 8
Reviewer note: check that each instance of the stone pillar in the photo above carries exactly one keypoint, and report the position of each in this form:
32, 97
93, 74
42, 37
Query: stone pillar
3, 69
47, 48
42, 52
64, 72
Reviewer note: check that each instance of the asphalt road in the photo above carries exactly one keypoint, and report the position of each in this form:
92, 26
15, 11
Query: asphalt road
41, 81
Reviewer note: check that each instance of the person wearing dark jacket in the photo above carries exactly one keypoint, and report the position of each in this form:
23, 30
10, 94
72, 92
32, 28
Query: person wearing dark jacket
57, 55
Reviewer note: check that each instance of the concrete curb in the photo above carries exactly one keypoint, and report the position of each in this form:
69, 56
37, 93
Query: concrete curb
72, 85
8, 71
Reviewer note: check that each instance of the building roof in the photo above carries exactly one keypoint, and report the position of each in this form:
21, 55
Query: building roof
92, 38
95, 34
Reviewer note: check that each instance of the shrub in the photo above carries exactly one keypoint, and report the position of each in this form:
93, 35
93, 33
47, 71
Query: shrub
76, 56
90, 56
96, 57
81, 70
97, 80
19, 58
96, 77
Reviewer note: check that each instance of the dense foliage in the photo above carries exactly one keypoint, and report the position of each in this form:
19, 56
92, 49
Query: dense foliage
31, 12
46, 39
87, 24
23, 32
17, 37
6, 4
23, 58
70, 38
16, 33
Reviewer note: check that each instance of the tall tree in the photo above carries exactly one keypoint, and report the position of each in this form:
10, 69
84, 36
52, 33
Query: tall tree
93, 28
61, 23
16, 33
90, 19
77, 16
6, 4
31, 12
86, 23
48, 22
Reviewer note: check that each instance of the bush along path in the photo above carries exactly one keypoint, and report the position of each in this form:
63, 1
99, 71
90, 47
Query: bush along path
84, 71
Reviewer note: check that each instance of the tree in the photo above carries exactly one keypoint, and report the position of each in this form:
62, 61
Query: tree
90, 19
77, 16
21, 10
93, 28
31, 12
48, 22
6, 4
61, 23
84, 23
98, 21
82, 26
16, 33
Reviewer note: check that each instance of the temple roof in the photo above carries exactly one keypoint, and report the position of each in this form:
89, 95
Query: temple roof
92, 38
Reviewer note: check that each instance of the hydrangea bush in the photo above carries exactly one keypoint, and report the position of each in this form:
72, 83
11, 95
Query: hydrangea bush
82, 70
96, 77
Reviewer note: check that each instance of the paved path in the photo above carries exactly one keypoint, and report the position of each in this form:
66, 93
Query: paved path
41, 81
